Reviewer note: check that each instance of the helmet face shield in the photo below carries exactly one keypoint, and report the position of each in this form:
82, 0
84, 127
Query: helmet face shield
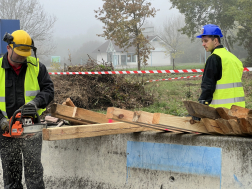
22, 50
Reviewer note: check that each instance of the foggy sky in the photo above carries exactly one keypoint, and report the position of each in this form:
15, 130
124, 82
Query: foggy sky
77, 16
76, 23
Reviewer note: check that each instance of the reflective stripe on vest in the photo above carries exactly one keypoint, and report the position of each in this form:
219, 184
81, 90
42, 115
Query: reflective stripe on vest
227, 101
2, 100
31, 86
229, 90
31, 93
228, 85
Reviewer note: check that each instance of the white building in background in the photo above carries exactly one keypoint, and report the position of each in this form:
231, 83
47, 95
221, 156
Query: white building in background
109, 52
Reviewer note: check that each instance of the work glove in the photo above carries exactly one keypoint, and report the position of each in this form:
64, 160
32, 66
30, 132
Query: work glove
4, 124
33, 103
201, 102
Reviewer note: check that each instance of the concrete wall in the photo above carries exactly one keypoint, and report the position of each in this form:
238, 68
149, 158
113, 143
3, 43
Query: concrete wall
149, 161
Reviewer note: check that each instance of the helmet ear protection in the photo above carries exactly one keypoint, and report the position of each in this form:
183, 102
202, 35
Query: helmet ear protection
8, 38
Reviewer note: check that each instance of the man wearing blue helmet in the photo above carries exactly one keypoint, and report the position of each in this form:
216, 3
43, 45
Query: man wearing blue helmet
221, 82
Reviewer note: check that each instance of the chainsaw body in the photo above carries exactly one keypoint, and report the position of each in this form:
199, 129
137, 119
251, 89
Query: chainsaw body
25, 122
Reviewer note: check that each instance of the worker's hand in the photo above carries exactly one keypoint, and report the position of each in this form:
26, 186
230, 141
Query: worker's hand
4, 124
203, 102
196, 118
33, 103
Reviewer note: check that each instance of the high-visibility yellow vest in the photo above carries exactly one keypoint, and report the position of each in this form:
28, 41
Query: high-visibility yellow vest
31, 85
229, 90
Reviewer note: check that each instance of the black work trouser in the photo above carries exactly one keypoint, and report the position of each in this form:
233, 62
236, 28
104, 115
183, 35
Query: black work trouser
11, 151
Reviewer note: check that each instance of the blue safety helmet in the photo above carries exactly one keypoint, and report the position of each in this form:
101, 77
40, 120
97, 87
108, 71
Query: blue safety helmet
210, 29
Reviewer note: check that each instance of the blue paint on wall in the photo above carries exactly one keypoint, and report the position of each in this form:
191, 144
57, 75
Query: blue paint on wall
237, 181
176, 158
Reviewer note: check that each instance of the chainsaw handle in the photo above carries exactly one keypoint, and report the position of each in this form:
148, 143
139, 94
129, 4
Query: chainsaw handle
13, 118
29, 109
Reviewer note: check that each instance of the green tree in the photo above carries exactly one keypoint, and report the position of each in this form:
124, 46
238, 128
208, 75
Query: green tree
201, 12
242, 13
123, 24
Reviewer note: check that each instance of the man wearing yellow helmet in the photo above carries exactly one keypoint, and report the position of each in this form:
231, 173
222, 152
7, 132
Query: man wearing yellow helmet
221, 82
23, 80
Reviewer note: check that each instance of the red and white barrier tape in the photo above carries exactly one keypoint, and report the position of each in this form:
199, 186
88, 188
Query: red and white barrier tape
175, 78
136, 72
129, 72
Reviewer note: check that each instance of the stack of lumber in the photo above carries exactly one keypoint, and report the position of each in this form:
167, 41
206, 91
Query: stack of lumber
86, 123
117, 121
90, 124
222, 121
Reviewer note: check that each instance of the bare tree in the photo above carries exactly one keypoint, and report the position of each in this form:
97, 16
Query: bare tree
123, 24
172, 37
33, 19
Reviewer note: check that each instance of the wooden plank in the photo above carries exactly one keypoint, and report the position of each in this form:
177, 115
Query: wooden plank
211, 126
189, 108
69, 102
82, 131
250, 113
225, 126
239, 112
245, 125
201, 110
144, 117
134, 117
235, 126
75, 121
182, 123
78, 114
225, 113
117, 113
249, 119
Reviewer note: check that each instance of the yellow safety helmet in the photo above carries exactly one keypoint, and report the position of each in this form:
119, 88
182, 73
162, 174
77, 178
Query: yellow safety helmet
21, 37
21, 43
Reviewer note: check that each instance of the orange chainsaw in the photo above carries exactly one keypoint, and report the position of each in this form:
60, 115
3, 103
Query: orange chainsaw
25, 122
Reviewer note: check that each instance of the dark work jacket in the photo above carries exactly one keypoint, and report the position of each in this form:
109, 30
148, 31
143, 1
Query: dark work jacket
212, 73
14, 87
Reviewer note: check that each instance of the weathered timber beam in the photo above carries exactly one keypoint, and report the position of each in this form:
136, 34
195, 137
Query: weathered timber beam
162, 121
201, 110
235, 126
245, 126
225, 113
74, 120
211, 126
69, 102
77, 114
239, 112
225, 126
182, 123
141, 118
82, 131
